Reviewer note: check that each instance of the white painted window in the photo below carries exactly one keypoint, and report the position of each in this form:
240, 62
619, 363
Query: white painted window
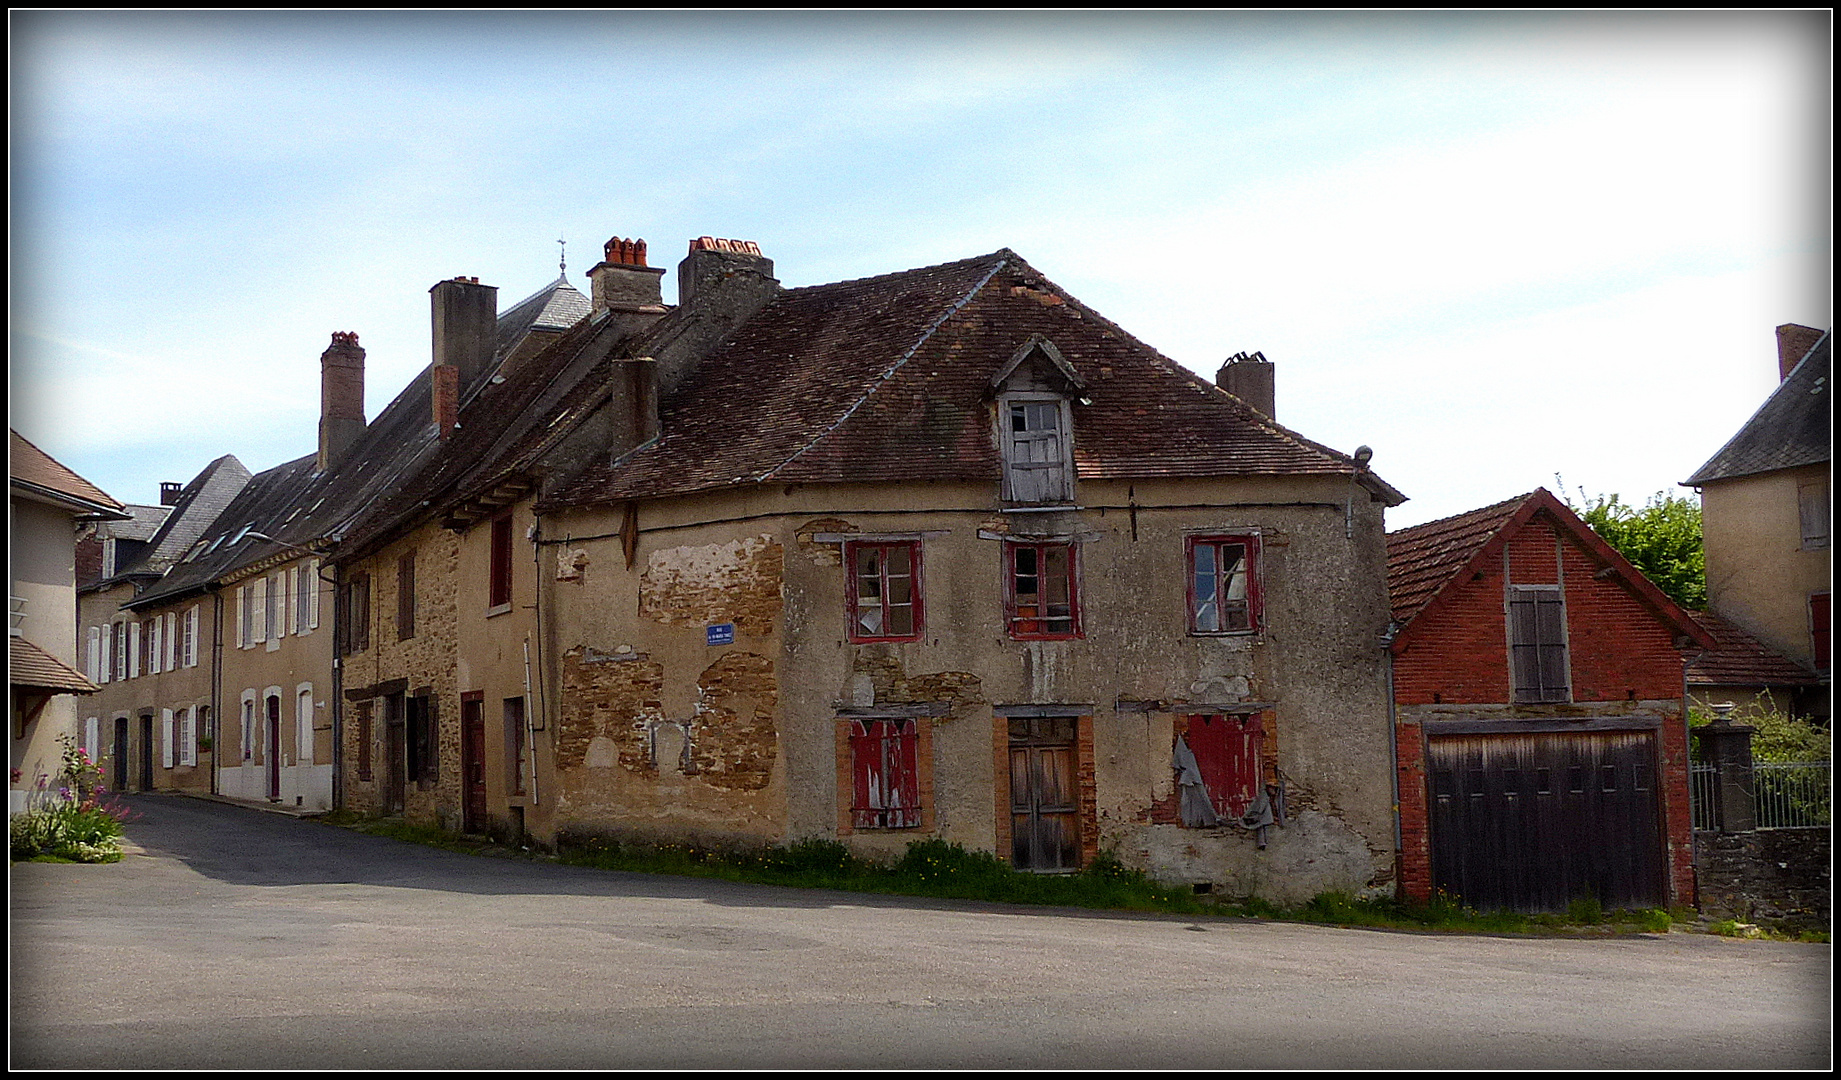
303, 725
249, 724
166, 738
188, 736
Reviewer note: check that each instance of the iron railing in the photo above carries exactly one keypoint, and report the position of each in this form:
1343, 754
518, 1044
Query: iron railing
1791, 796
1703, 796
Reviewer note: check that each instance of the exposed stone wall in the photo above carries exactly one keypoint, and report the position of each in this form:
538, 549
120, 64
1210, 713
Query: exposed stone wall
1777, 875
695, 585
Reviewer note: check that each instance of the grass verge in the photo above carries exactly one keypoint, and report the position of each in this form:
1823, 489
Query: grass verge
934, 868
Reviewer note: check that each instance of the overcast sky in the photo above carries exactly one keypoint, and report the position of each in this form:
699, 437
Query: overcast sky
1495, 248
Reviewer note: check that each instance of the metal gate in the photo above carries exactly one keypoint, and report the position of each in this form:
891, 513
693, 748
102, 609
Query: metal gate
1534, 821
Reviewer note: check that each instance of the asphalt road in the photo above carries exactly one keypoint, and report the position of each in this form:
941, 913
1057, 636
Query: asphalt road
239, 939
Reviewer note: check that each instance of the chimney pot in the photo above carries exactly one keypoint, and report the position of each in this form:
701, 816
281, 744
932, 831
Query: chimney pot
465, 319
623, 280
341, 398
169, 494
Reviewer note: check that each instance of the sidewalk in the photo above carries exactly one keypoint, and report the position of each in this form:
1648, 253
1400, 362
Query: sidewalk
253, 804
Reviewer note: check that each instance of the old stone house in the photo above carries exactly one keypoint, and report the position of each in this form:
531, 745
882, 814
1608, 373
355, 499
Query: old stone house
941, 553
1766, 516
149, 724
1540, 714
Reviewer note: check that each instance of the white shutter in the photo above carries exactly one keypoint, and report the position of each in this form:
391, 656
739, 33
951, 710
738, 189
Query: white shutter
278, 601
91, 729
108, 660
303, 728
258, 602
156, 644
166, 738
171, 661
242, 618
92, 659
313, 594
191, 636
134, 650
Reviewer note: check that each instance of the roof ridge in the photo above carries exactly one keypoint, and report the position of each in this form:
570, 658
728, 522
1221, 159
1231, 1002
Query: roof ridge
1000, 254
889, 373
1517, 500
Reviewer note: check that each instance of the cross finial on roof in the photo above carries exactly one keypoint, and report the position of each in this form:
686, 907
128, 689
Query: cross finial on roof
562, 256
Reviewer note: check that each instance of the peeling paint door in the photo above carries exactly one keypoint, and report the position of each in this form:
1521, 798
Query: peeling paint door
1044, 799
1532, 822
473, 761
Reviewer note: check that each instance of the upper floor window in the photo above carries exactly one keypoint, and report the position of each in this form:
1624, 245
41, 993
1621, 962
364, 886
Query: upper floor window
355, 612
1223, 584
498, 587
1042, 590
1038, 453
1812, 507
1537, 643
885, 600
1035, 392
406, 596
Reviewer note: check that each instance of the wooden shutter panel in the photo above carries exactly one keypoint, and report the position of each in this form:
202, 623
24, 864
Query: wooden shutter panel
166, 738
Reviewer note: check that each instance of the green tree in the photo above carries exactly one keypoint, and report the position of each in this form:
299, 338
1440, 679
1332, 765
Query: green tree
1661, 538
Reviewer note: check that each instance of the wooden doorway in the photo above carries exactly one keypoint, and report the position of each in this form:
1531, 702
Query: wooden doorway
271, 745
147, 752
1044, 793
473, 761
121, 753
396, 751
1534, 821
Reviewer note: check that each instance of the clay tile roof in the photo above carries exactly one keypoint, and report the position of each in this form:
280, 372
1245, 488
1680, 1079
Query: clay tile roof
1742, 660
885, 379
32, 668
33, 468
1420, 560
1791, 428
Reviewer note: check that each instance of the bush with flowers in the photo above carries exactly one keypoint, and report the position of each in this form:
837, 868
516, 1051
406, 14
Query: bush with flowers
69, 816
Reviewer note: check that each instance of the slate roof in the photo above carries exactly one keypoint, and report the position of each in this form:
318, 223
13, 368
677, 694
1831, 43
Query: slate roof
32, 668
1424, 561
301, 507
37, 472
141, 525
556, 306
1738, 659
177, 528
884, 379
1790, 429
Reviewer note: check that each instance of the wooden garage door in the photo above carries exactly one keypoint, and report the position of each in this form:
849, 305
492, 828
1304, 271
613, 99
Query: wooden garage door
1531, 822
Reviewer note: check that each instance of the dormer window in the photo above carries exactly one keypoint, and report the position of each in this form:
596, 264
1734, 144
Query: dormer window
1035, 392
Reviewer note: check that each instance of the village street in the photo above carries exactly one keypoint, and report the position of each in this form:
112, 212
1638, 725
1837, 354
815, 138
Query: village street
239, 939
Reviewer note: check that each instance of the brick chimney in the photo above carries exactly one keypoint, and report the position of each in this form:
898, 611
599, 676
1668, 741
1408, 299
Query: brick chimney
169, 494
341, 398
444, 393
465, 315
1793, 343
1249, 378
622, 281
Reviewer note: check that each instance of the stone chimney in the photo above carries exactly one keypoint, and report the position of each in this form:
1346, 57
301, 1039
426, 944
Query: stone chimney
466, 326
721, 284
444, 393
622, 281
341, 398
169, 494
1248, 378
1793, 343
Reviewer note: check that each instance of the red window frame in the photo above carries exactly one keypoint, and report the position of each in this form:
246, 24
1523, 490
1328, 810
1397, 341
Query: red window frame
498, 586
885, 774
1249, 608
886, 586
1227, 751
1025, 616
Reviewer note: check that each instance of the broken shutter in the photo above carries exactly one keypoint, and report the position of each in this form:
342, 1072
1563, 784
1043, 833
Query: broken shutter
1226, 750
1036, 453
887, 792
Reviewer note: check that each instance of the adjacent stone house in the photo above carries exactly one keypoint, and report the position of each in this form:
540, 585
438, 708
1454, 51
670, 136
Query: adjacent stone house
48, 504
1766, 516
149, 724
1540, 714
941, 553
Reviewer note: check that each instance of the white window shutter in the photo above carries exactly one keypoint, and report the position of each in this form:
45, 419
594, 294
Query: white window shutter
166, 738
108, 660
156, 644
258, 599
91, 728
93, 658
242, 618
313, 594
191, 636
172, 641
278, 589
134, 650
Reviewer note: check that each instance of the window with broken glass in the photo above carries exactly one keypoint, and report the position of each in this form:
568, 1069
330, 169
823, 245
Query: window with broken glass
1043, 592
1038, 458
883, 756
1223, 586
885, 600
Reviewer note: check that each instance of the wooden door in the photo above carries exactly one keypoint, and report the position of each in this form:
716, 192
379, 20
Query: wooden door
1044, 797
146, 753
121, 753
473, 761
271, 745
396, 752
1532, 822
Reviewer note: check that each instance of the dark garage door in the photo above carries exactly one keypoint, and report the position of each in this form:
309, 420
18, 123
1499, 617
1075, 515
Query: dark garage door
1533, 821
